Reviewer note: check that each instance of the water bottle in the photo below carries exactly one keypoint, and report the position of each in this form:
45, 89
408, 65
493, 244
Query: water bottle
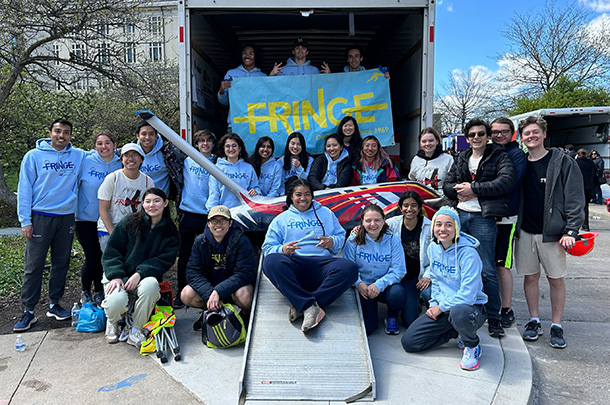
75, 311
19, 344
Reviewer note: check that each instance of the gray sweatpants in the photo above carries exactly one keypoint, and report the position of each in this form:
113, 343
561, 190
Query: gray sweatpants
56, 233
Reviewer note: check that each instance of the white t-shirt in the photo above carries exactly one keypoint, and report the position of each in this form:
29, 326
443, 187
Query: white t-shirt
471, 205
124, 194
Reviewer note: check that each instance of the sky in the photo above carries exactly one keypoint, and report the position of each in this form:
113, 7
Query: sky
469, 32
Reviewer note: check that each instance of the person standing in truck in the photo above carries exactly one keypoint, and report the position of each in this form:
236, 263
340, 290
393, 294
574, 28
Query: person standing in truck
299, 65
354, 60
246, 69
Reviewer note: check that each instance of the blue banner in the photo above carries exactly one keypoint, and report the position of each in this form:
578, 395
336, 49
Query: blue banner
313, 105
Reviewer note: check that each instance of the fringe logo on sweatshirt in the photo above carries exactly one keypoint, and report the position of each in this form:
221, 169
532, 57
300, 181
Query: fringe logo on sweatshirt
374, 257
303, 224
444, 269
58, 166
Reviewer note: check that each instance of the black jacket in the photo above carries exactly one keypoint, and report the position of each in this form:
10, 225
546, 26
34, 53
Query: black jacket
239, 270
589, 173
492, 183
318, 171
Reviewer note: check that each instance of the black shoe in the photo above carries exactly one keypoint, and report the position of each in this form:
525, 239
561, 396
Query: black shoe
198, 323
507, 317
557, 339
178, 304
495, 329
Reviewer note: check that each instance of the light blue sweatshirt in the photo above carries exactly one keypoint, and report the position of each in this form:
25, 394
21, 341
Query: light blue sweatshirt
154, 166
425, 236
291, 68
299, 173
239, 71
381, 263
456, 274
241, 172
270, 180
48, 181
292, 225
331, 168
93, 172
196, 187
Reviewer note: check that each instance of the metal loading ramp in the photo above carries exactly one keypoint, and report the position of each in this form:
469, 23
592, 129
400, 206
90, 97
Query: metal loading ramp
332, 362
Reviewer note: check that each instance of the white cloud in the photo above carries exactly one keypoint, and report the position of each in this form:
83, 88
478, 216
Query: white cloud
439, 3
598, 33
450, 8
599, 6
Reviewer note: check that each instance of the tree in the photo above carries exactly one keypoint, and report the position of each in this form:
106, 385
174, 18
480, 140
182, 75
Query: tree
564, 94
553, 43
466, 95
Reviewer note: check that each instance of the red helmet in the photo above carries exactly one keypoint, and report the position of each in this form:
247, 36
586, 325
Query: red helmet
584, 245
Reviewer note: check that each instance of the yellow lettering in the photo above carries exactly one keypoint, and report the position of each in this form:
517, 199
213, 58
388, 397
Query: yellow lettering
274, 117
331, 105
359, 108
319, 118
252, 119
296, 118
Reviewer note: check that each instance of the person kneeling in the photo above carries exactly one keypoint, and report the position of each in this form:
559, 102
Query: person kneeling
456, 307
221, 267
141, 248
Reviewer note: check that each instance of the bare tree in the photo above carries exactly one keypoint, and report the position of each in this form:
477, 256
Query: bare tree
466, 94
555, 42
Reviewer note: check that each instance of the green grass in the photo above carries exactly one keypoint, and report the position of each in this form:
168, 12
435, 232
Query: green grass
12, 259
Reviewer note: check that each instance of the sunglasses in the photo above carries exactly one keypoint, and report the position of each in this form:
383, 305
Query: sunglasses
473, 134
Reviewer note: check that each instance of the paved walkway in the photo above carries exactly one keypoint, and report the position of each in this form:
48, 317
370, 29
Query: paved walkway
63, 366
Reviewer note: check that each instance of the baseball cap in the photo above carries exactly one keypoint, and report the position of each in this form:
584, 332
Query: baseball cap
300, 41
132, 146
220, 210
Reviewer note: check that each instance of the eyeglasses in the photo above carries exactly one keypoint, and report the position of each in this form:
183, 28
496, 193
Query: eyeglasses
231, 146
473, 134
218, 221
503, 132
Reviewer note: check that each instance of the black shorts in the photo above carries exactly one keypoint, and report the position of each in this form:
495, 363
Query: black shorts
505, 243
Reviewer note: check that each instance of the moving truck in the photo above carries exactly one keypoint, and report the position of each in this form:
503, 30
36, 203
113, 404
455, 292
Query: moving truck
398, 34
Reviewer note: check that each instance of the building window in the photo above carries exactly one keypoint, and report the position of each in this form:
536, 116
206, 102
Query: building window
78, 53
130, 52
103, 53
104, 30
155, 25
129, 28
156, 51
56, 53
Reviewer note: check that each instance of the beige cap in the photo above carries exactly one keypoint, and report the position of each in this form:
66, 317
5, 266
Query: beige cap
219, 210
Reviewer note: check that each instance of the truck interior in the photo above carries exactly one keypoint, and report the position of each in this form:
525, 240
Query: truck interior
389, 37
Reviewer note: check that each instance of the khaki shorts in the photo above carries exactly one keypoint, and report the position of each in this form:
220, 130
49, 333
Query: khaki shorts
531, 252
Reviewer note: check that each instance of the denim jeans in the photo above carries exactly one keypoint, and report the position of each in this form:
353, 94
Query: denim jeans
393, 296
485, 230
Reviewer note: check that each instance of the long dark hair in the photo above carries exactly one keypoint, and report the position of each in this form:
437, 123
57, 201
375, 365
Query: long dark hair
290, 191
303, 156
243, 154
381, 158
136, 225
256, 160
356, 141
360, 237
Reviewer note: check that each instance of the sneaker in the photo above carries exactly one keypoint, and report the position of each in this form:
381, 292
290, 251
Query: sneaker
470, 358
98, 297
557, 340
494, 327
460, 343
135, 338
27, 320
85, 296
312, 316
507, 317
198, 323
391, 326
58, 313
112, 332
532, 330
294, 314
178, 304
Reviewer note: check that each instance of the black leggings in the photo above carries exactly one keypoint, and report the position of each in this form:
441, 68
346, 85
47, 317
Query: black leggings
191, 225
92, 271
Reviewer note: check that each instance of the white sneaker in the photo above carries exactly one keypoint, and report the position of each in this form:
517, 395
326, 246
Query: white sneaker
470, 358
135, 338
112, 332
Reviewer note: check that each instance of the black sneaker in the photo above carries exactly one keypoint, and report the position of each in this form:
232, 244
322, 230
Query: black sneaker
532, 330
495, 329
178, 304
198, 323
27, 320
58, 313
507, 317
557, 340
